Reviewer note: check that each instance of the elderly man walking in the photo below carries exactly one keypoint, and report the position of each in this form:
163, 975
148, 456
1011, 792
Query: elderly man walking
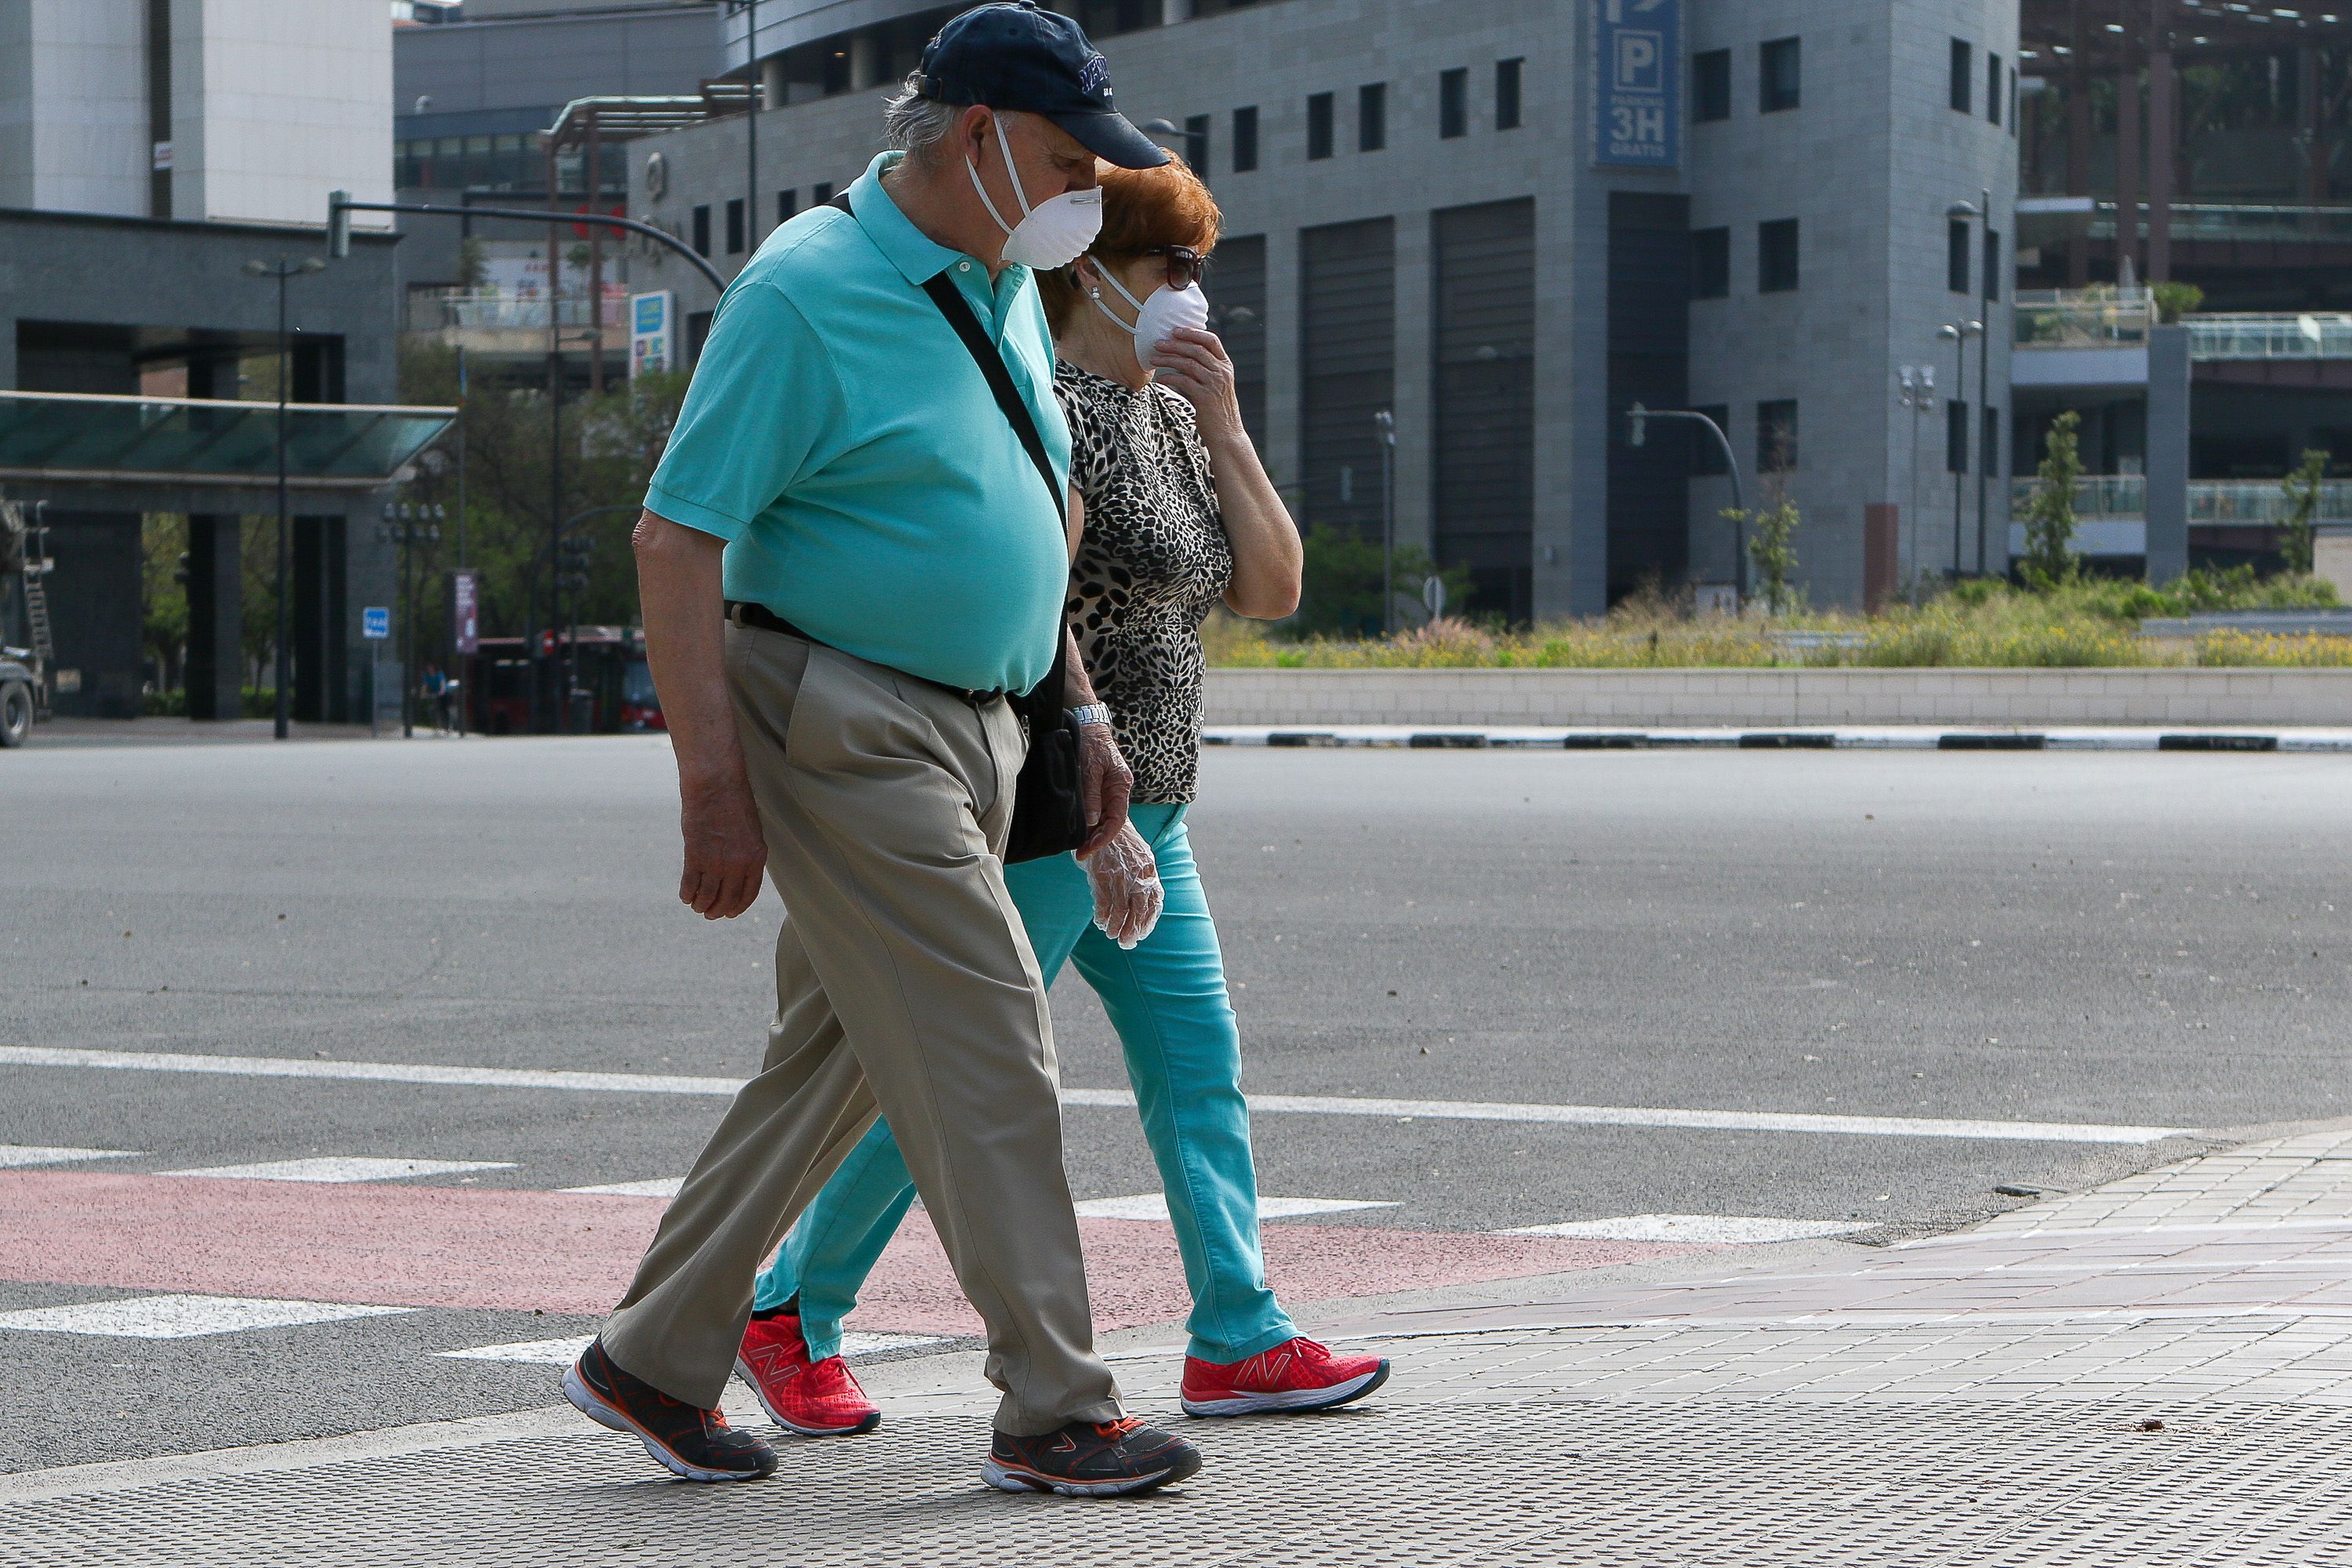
848, 557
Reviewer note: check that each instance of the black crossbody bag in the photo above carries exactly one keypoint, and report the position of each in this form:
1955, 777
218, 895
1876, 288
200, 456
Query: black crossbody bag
1049, 814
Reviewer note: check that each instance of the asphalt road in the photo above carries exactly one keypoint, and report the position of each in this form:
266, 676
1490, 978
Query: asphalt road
2073, 939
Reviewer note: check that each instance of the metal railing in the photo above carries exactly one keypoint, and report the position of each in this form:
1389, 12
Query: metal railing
2262, 223
2102, 318
2260, 337
442, 310
2211, 502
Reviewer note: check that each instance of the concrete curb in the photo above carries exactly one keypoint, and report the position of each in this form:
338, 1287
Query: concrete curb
1877, 738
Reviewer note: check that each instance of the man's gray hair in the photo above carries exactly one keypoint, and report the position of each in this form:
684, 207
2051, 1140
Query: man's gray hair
916, 125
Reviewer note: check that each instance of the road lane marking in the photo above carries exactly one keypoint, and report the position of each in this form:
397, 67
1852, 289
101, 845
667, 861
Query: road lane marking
659, 1187
183, 1317
1259, 1104
564, 1353
1712, 1229
13, 1155
340, 1168
1154, 1206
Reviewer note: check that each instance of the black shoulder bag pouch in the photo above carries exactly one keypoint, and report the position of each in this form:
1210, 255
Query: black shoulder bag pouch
1049, 814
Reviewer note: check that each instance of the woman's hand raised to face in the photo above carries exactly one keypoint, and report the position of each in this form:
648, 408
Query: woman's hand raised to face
1193, 363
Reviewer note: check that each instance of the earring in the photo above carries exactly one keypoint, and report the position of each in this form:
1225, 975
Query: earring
1094, 293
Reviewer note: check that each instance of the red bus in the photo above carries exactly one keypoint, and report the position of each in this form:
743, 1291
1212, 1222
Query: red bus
612, 688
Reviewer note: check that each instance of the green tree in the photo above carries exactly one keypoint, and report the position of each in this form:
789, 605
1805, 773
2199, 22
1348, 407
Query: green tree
1341, 593
2050, 558
2301, 488
163, 597
1771, 547
2174, 301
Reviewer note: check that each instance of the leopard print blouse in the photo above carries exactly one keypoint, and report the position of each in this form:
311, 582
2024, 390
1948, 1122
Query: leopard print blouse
1154, 560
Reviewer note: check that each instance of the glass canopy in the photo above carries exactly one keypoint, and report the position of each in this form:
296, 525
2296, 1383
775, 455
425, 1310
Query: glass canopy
62, 435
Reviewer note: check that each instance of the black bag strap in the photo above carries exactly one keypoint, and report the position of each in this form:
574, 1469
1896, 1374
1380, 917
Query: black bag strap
991, 360
1047, 693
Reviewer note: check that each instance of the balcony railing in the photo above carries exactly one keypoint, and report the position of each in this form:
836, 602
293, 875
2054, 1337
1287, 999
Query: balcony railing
2101, 317
2044, 221
2243, 503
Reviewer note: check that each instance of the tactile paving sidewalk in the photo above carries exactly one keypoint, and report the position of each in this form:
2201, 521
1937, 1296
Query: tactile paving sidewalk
2156, 1374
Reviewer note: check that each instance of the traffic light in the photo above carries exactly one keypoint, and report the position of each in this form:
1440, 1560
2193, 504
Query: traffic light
339, 224
571, 562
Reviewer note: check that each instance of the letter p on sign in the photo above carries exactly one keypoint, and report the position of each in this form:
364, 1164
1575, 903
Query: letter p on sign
1641, 62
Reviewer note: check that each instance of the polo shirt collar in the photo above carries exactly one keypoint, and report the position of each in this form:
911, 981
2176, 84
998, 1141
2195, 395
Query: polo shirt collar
908, 248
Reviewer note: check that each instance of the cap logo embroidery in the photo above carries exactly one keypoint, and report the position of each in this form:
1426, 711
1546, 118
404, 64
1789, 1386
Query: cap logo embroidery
1094, 75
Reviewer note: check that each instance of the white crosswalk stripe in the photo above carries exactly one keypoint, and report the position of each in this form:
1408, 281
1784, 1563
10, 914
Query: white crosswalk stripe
565, 1351
1154, 1206
659, 1187
341, 1168
13, 1155
1715, 1229
1259, 1104
183, 1317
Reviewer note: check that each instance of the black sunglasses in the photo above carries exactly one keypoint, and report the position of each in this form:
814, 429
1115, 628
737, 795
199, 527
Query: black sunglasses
1185, 265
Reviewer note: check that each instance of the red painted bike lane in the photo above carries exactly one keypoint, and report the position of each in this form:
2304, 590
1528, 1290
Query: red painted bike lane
572, 1252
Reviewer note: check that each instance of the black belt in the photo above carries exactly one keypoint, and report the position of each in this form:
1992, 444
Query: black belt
744, 612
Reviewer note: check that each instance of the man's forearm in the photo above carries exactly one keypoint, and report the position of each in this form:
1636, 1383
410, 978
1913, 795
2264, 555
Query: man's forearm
679, 584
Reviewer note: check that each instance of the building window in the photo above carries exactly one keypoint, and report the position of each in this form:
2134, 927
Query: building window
1371, 117
1507, 94
1964, 76
788, 201
1319, 126
1782, 83
1453, 103
1705, 456
1955, 436
1992, 88
702, 229
1776, 256
2012, 100
1245, 140
1196, 142
1710, 263
1776, 437
1992, 264
1991, 439
735, 226
820, 192
1711, 86
1956, 255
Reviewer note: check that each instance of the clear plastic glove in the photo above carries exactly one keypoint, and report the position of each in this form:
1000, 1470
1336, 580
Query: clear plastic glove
1124, 875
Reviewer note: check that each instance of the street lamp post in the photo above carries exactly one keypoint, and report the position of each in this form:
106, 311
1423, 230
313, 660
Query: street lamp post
752, 127
408, 526
282, 269
1639, 435
1958, 333
1919, 397
1384, 422
1981, 212
1196, 152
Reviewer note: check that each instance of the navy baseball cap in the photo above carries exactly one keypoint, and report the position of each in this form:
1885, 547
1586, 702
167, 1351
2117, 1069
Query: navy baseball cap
1012, 55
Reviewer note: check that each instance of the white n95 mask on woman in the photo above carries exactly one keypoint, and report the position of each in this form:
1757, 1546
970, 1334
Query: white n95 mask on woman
1052, 233
1157, 318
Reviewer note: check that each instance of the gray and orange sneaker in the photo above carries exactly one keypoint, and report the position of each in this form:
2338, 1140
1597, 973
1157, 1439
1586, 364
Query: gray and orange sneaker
685, 1439
1296, 1375
1090, 1458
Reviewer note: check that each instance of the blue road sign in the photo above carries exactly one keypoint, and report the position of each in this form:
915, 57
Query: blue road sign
1637, 71
376, 622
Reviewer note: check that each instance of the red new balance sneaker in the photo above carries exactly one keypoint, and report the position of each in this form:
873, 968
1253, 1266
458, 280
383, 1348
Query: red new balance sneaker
1297, 1374
813, 1398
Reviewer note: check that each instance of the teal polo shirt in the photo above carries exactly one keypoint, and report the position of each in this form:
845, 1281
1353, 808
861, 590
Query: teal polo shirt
839, 437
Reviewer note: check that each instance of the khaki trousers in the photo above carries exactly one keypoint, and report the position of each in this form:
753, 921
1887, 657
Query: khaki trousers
905, 987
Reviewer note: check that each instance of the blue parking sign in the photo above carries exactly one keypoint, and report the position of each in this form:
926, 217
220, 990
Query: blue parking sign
376, 623
1637, 73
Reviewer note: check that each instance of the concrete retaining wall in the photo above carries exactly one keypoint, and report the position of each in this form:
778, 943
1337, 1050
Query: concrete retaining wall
1696, 697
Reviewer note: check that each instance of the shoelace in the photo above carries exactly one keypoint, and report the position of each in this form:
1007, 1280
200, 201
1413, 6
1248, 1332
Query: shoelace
1114, 1431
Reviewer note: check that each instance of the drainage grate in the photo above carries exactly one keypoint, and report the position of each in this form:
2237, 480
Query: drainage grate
1551, 1481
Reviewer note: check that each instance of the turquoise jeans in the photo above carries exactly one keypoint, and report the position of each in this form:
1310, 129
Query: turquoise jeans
1167, 998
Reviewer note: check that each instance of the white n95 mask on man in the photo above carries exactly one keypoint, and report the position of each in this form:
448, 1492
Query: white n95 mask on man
1052, 233
1157, 318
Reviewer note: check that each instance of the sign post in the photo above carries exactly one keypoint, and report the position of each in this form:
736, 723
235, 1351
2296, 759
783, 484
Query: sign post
465, 634
375, 625
1637, 79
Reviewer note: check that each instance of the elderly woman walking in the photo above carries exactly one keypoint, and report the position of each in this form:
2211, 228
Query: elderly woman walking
1177, 514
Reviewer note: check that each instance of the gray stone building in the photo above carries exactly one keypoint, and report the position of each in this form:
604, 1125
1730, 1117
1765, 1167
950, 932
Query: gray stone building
1423, 217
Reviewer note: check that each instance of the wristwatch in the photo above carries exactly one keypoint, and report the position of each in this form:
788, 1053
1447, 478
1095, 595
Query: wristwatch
1092, 713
